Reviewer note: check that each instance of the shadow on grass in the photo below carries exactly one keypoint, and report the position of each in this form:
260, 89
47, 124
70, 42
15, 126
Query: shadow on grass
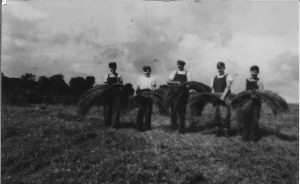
166, 128
196, 178
207, 127
128, 124
210, 127
269, 132
196, 127
67, 117
93, 120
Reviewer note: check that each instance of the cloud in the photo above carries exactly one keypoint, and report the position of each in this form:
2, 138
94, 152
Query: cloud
28, 49
284, 74
49, 37
21, 29
20, 40
112, 52
150, 45
60, 39
23, 10
285, 67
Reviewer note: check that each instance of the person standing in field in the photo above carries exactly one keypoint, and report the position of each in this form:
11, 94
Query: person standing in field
146, 83
249, 127
111, 78
220, 85
254, 83
180, 75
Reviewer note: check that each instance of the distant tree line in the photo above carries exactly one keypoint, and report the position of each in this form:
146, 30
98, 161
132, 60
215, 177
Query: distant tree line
49, 90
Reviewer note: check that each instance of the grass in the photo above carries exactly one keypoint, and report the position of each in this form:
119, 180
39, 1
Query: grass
49, 145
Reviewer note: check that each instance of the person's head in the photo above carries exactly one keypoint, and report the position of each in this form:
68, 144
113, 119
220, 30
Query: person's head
147, 70
180, 64
254, 71
112, 66
221, 67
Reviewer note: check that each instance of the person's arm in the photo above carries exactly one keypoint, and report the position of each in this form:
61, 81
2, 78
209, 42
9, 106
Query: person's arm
212, 85
246, 84
138, 85
120, 78
189, 77
105, 79
172, 75
153, 85
228, 85
260, 85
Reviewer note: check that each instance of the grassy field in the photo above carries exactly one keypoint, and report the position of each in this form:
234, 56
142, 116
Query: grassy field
48, 145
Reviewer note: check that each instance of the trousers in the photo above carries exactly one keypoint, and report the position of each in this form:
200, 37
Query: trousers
144, 114
111, 113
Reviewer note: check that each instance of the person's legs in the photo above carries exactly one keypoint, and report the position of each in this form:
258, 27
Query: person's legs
181, 114
246, 129
148, 113
116, 108
107, 112
173, 118
216, 120
246, 126
216, 115
254, 128
225, 119
140, 116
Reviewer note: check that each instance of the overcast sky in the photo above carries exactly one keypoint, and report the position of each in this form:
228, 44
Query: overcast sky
79, 38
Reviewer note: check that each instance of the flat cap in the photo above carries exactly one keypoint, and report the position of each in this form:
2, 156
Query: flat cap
145, 68
112, 65
180, 62
220, 64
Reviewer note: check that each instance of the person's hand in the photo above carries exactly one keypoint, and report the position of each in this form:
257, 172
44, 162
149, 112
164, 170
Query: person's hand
222, 98
192, 91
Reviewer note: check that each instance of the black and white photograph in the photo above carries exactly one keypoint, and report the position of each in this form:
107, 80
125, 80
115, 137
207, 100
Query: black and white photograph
149, 91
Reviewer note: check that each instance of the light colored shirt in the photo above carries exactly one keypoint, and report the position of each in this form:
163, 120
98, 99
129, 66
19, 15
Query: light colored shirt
188, 74
112, 75
146, 82
228, 79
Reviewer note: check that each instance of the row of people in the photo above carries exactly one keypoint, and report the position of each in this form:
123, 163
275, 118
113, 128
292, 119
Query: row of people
220, 84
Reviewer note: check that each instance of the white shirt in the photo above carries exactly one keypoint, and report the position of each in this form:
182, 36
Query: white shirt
228, 79
188, 74
146, 82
